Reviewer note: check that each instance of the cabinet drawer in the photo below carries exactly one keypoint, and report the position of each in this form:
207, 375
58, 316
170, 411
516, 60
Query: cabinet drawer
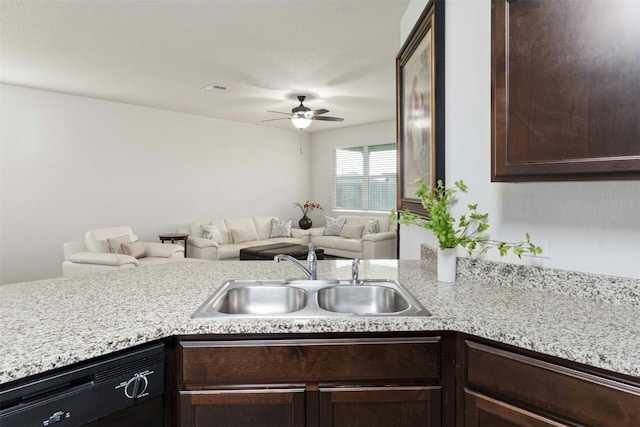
553, 389
219, 363
264, 408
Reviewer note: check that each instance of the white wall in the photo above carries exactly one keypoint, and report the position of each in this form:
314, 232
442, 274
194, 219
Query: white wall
322, 145
69, 164
585, 226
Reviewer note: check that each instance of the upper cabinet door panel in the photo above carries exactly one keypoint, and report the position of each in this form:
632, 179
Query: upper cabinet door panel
565, 90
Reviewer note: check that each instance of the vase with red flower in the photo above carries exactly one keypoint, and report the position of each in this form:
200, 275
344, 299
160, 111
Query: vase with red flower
305, 222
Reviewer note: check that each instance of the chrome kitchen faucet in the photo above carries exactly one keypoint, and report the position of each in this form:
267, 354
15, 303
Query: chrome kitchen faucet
311, 270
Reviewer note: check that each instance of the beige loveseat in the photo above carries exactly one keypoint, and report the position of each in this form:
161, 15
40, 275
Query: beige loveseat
354, 241
236, 234
96, 253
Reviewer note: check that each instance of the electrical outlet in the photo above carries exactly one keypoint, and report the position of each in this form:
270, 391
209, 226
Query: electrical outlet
544, 245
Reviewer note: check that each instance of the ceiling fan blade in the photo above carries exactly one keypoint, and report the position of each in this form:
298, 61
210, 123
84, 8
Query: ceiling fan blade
328, 119
279, 118
278, 112
318, 112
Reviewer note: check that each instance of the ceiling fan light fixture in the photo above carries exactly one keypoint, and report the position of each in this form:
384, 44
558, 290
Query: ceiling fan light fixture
302, 116
301, 122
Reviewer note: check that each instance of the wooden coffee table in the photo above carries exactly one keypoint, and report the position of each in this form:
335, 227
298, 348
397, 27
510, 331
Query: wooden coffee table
267, 252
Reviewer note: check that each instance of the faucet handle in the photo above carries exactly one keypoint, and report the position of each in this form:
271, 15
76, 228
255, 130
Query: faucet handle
312, 262
354, 271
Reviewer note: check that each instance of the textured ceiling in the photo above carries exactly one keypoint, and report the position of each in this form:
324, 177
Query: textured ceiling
161, 53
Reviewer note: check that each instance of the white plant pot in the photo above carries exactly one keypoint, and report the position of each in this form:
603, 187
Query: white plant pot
447, 265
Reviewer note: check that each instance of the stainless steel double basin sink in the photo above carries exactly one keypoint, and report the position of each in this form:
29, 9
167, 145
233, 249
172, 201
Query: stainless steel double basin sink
309, 298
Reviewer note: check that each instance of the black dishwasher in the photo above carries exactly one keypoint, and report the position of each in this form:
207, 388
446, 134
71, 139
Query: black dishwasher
123, 390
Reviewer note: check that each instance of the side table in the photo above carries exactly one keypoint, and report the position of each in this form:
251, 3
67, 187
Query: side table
175, 237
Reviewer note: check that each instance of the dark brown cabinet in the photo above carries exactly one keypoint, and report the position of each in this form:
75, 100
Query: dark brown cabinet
483, 411
380, 406
505, 388
243, 408
311, 382
565, 90
449, 379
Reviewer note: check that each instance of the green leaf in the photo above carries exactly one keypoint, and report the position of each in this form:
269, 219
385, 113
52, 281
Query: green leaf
482, 228
468, 232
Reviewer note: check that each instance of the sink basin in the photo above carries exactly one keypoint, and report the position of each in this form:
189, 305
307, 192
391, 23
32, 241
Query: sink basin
309, 298
361, 299
262, 300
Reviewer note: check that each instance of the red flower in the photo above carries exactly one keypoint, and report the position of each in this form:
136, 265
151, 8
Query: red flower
307, 206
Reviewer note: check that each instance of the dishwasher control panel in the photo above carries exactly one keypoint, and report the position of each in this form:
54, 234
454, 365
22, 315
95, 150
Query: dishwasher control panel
87, 392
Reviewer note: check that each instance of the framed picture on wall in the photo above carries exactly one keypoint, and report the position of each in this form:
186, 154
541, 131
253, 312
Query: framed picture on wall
420, 107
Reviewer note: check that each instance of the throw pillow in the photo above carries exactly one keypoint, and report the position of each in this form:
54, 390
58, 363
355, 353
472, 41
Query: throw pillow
352, 231
372, 227
243, 235
333, 226
211, 232
280, 228
135, 249
115, 242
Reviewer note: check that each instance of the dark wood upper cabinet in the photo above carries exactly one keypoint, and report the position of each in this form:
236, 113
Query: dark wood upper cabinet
565, 90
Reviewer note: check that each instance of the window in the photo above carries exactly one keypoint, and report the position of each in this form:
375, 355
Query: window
364, 178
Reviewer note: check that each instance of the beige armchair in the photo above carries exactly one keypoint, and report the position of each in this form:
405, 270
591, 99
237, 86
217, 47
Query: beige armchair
108, 249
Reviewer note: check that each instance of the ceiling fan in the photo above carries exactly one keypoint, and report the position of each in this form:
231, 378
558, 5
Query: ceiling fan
302, 116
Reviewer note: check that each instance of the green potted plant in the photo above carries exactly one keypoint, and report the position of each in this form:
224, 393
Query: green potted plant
467, 231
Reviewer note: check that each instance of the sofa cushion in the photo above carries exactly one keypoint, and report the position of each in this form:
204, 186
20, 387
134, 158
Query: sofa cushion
102, 258
115, 243
197, 231
242, 223
263, 225
353, 245
225, 234
96, 240
280, 228
135, 249
154, 260
230, 251
372, 226
333, 226
337, 242
352, 231
240, 235
270, 241
211, 232
384, 224
326, 241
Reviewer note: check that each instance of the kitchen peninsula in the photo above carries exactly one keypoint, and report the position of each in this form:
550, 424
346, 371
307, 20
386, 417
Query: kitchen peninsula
53, 323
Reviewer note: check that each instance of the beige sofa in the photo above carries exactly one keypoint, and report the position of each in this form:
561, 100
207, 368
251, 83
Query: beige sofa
236, 234
354, 242
94, 253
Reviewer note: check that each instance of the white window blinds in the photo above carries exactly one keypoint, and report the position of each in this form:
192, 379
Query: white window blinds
364, 178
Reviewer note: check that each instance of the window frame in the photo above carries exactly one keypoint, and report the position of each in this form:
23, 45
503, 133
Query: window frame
365, 178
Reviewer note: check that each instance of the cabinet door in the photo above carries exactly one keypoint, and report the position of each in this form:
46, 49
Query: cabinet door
380, 406
584, 398
242, 408
483, 411
565, 90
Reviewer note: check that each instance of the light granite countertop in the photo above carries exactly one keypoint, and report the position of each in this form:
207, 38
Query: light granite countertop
52, 323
